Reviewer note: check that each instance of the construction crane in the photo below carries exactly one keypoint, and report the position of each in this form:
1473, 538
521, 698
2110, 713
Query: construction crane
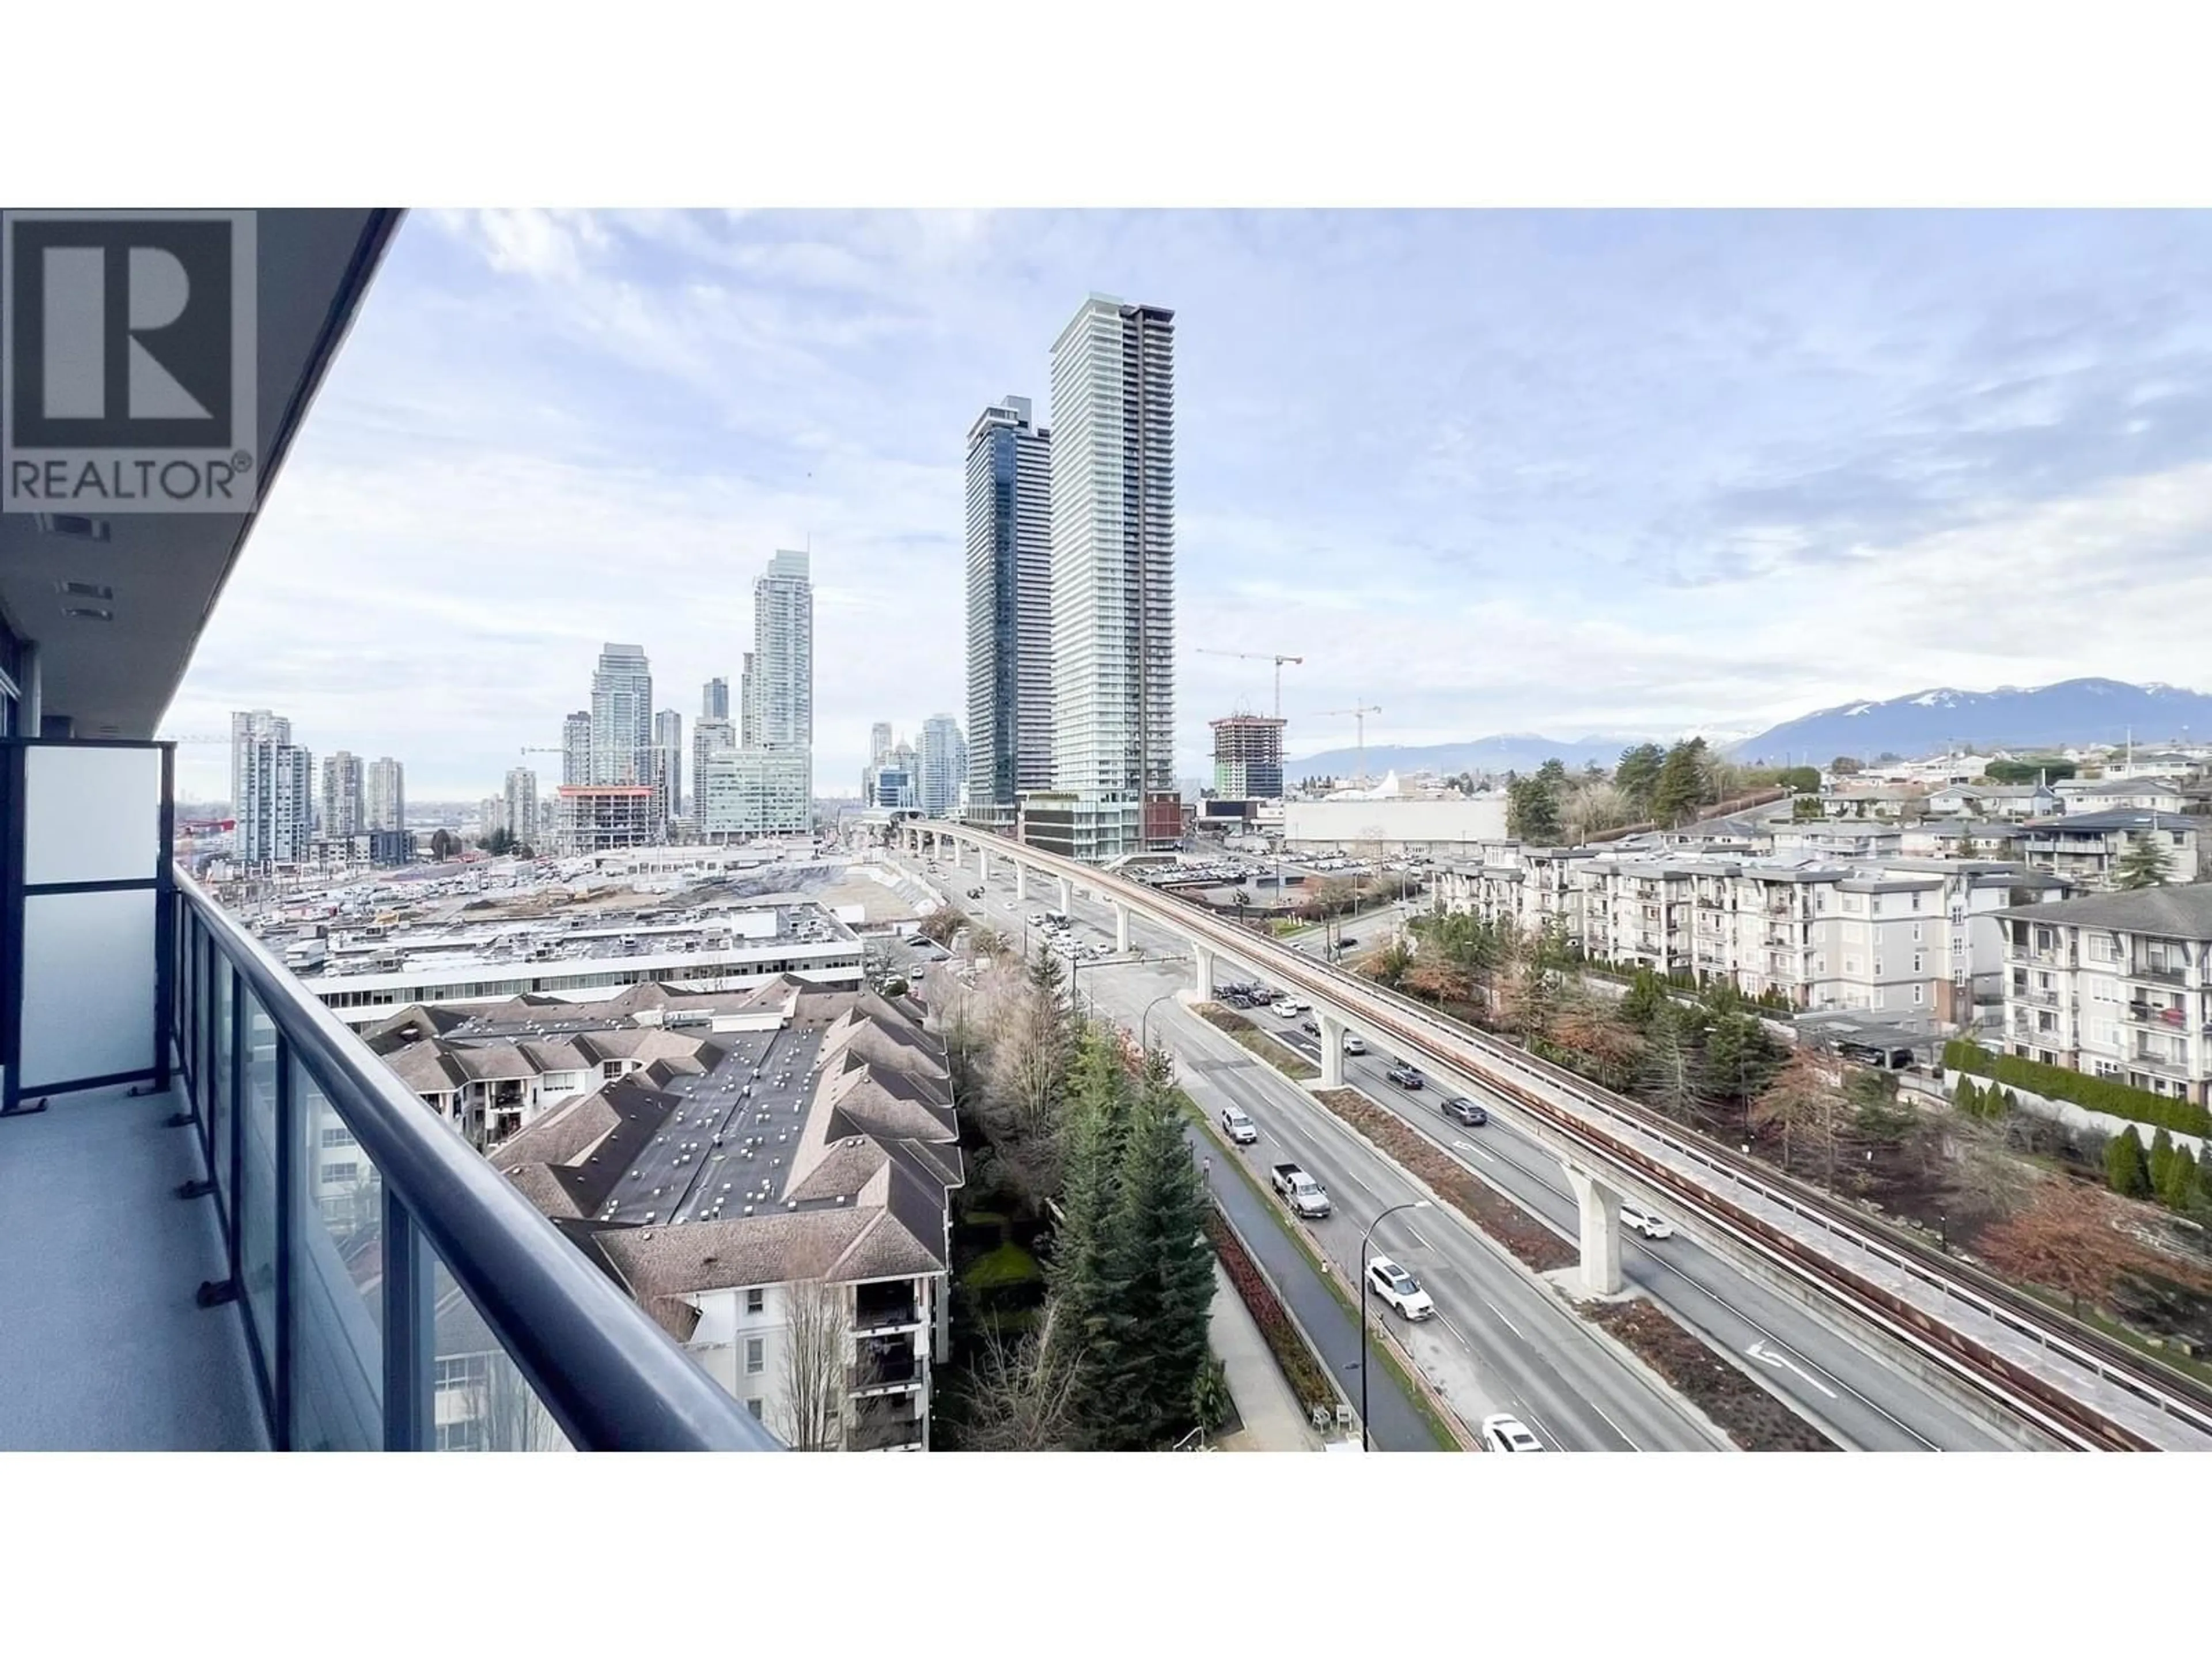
1358, 715
1260, 656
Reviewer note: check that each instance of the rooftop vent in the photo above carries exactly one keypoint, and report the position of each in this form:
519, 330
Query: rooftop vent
89, 612
84, 591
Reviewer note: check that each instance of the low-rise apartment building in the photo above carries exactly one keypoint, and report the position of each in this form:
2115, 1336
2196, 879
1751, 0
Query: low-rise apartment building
768, 1175
1994, 801
2086, 848
2117, 986
2130, 795
1911, 937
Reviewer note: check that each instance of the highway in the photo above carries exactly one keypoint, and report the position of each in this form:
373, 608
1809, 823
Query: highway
1486, 1305
1498, 1343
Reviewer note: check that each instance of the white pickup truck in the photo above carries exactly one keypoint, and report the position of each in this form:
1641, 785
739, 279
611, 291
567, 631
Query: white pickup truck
1300, 1191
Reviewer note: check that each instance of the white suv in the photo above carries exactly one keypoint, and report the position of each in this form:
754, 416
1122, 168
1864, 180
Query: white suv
1240, 1129
1644, 1222
1399, 1289
1354, 1043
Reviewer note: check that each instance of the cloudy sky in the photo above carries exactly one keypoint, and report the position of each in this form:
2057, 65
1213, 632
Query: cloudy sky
1620, 472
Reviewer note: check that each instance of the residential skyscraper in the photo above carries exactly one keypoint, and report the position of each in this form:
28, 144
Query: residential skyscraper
711, 735
714, 700
748, 704
249, 726
342, 808
275, 813
576, 747
783, 653
1009, 610
621, 716
879, 742
387, 803
1113, 584
943, 764
519, 808
668, 757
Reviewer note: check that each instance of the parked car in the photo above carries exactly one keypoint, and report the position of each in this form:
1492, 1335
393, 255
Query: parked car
974, 892
1644, 1222
1461, 1109
1354, 1043
1404, 1076
1508, 1434
1398, 1289
1310, 1026
1285, 1009
1238, 1127
1345, 941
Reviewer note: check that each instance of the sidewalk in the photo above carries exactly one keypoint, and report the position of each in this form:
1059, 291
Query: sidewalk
1272, 1421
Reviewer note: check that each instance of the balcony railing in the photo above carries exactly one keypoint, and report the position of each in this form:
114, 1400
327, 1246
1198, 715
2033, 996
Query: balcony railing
2157, 1018
2157, 975
2036, 994
418, 1300
886, 1314
885, 1433
2162, 1065
898, 1371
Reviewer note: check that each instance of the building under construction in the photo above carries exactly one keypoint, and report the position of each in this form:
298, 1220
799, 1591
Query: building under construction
1247, 757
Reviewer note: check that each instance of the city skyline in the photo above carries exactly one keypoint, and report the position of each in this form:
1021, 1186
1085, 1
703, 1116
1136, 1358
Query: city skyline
1669, 444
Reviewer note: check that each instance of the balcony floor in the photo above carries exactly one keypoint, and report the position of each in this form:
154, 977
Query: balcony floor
102, 1347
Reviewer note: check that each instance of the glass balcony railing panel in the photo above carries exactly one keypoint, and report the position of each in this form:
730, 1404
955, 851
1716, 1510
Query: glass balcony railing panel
219, 1076
335, 1238
481, 1402
257, 1168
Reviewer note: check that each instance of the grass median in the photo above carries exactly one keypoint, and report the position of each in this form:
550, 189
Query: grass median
1287, 1061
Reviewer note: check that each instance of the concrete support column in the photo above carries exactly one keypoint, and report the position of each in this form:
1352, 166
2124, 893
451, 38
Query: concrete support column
1202, 960
1021, 883
1601, 1232
1120, 926
983, 862
1332, 1050
1067, 896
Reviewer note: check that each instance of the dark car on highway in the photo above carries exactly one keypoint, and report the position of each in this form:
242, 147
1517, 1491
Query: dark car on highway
1461, 1109
1404, 1076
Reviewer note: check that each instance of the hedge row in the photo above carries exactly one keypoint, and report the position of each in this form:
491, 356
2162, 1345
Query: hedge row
2098, 1094
1300, 1369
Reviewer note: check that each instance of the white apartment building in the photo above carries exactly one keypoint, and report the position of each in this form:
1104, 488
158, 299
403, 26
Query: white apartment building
780, 673
1994, 801
2119, 986
342, 807
740, 794
1114, 786
2146, 794
1911, 937
275, 812
249, 726
518, 809
385, 805
621, 716
942, 765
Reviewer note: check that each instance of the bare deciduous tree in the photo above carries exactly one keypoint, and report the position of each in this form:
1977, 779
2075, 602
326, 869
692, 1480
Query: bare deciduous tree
816, 1341
513, 1418
1021, 1398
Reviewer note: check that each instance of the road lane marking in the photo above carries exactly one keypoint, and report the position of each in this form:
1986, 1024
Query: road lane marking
1500, 1312
1419, 1242
1766, 1355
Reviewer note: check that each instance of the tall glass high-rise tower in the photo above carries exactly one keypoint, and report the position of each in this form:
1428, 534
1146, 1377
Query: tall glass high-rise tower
1009, 610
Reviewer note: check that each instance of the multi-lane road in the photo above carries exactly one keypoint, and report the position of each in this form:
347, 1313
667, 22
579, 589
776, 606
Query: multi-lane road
1501, 1342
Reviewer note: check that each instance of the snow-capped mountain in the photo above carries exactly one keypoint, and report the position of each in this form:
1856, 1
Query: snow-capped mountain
2011, 717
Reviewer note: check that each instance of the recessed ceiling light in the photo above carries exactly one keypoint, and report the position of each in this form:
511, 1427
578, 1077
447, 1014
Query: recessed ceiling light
78, 524
89, 613
84, 590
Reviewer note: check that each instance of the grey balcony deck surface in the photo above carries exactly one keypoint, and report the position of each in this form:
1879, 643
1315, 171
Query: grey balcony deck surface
102, 1347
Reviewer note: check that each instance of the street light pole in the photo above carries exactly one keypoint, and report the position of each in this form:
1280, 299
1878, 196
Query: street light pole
1144, 1027
1410, 1204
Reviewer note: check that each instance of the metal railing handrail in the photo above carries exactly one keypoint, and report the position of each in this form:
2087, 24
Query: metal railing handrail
609, 1376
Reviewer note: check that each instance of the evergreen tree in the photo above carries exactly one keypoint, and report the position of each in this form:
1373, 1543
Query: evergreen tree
2127, 1172
2178, 1188
1740, 1057
2144, 865
1966, 1098
1681, 789
1156, 1273
2161, 1158
1532, 810
1637, 775
1097, 1095
1645, 1000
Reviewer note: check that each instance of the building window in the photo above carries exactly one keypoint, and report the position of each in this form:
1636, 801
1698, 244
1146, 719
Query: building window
755, 1356
337, 1174
339, 1136
1917, 996
756, 1299
1916, 961
754, 1407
